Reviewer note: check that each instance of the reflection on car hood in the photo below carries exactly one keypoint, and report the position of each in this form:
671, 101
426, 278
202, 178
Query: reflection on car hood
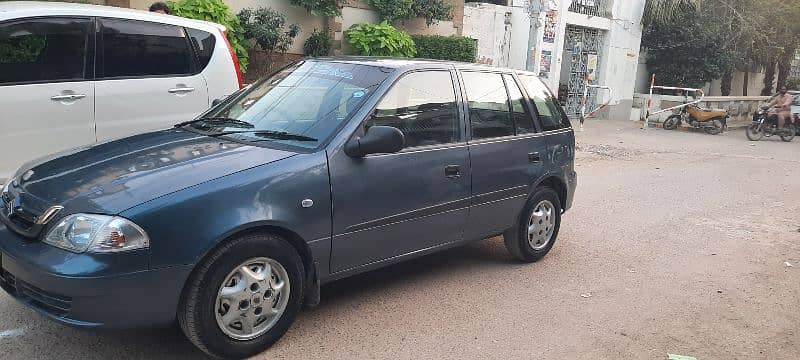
114, 176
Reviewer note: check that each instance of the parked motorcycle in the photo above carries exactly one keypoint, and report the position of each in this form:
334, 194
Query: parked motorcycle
712, 122
766, 124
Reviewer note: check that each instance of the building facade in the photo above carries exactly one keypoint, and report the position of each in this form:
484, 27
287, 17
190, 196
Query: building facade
562, 41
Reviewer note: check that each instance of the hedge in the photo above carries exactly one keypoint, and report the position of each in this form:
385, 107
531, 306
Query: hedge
455, 48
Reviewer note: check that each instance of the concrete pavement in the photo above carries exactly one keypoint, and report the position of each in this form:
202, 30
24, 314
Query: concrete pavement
677, 243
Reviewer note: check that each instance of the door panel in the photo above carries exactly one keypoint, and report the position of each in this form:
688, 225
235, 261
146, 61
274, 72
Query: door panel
147, 78
504, 167
46, 100
394, 204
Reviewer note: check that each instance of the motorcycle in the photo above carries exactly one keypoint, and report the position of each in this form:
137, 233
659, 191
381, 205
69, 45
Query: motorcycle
765, 123
712, 122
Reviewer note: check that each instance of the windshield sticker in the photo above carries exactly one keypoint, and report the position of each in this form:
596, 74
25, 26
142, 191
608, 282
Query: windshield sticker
359, 94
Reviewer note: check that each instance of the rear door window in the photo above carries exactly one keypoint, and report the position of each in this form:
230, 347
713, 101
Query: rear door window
489, 112
45, 50
549, 112
203, 43
131, 48
523, 122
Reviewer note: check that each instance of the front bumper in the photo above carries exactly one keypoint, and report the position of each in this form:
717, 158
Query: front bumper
89, 290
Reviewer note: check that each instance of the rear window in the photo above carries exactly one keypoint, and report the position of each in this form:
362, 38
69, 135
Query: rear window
203, 43
549, 112
132, 48
44, 50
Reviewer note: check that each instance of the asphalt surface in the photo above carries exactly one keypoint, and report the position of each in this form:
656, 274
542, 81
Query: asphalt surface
678, 243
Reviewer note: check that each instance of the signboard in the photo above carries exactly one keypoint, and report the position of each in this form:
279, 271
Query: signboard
550, 26
545, 64
591, 67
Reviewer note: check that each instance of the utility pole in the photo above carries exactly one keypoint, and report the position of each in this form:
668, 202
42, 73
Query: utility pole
534, 8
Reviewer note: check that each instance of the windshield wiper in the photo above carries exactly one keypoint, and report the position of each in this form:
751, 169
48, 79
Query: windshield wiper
270, 134
219, 122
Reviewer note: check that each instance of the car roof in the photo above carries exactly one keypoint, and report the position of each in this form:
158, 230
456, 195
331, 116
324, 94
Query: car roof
410, 63
25, 9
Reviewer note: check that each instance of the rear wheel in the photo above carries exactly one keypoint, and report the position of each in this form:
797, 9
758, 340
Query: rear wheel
754, 132
672, 122
788, 133
716, 129
243, 297
537, 227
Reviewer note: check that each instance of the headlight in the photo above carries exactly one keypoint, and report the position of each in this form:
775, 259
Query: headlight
97, 233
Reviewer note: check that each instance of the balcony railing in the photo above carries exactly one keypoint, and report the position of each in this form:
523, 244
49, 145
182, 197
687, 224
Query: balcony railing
590, 7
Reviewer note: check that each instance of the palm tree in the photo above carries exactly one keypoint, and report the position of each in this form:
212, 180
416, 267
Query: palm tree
663, 10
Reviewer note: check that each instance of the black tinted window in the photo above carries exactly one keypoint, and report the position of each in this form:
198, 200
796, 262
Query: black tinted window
550, 114
203, 43
41, 50
138, 48
423, 106
488, 105
522, 120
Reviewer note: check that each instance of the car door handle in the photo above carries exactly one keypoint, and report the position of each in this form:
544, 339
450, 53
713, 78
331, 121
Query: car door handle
452, 171
534, 158
181, 90
67, 97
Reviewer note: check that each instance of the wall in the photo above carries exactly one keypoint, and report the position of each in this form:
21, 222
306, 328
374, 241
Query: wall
501, 32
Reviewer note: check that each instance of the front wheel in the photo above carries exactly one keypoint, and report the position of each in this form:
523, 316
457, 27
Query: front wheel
754, 132
672, 122
788, 132
243, 297
537, 227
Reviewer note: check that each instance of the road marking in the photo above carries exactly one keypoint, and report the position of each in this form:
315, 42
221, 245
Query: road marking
5, 334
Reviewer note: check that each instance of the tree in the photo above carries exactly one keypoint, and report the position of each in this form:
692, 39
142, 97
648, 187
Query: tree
685, 51
662, 11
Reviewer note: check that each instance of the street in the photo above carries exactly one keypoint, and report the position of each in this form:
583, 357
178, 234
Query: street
678, 242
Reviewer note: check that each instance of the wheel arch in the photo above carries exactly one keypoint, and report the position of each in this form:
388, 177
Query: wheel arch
554, 182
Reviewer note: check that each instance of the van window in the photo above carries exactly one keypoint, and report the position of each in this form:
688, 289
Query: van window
132, 48
489, 113
44, 50
550, 114
203, 43
523, 122
423, 106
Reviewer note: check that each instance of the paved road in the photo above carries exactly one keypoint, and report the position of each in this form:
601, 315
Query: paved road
677, 243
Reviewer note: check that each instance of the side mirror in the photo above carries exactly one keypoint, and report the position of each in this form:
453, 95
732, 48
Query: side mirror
377, 140
216, 102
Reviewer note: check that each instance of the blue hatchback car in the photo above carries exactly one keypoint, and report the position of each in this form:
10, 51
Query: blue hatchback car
328, 168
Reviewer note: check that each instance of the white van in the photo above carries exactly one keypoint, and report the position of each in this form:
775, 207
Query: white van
77, 74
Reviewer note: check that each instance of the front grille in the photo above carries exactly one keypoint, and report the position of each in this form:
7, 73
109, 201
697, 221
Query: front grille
18, 219
46, 301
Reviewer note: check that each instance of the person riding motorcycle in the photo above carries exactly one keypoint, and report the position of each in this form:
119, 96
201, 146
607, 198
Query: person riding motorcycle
783, 106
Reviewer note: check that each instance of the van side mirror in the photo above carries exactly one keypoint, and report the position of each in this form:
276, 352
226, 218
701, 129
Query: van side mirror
216, 102
377, 140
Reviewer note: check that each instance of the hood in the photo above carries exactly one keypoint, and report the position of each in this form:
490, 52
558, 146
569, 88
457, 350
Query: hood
114, 176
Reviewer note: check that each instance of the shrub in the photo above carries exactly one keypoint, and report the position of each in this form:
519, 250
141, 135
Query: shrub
431, 10
455, 48
268, 29
319, 7
380, 40
215, 11
317, 44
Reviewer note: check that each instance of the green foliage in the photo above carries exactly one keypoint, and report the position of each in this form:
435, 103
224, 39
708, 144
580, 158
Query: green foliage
22, 49
317, 44
685, 52
268, 29
319, 7
380, 40
454, 48
215, 11
431, 10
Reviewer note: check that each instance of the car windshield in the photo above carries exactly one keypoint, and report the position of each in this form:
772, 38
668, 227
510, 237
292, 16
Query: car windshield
301, 105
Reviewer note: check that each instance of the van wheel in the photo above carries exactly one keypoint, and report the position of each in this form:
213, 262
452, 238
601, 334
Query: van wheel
243, 298
537, 227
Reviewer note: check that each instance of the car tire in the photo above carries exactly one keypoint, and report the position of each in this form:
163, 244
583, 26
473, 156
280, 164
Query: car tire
237, 279
537, 227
